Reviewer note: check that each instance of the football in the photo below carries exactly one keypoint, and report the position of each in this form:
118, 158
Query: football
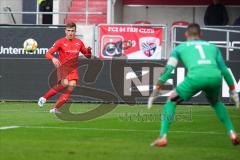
30, 45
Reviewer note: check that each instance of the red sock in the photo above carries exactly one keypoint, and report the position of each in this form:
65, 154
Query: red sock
53, 91
63, 99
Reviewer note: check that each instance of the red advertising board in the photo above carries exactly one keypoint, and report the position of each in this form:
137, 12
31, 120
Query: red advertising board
131, 42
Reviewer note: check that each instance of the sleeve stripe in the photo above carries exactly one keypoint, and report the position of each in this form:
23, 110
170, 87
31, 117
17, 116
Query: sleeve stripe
172, 61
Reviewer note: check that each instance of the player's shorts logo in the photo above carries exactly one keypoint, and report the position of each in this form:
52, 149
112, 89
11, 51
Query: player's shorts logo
148, 45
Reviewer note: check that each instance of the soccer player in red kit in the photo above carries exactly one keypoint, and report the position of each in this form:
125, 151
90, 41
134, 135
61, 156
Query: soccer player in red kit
68, 49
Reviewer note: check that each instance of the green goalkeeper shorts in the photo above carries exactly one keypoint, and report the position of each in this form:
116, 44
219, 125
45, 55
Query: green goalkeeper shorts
190, 86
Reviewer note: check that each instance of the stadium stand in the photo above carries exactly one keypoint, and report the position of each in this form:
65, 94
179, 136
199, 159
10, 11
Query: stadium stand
92, 6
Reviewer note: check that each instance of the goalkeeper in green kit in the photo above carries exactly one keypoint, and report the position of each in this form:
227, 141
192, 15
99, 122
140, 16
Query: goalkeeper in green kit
205, 67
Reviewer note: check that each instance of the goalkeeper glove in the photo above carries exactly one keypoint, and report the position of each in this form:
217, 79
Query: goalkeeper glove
154, 95
234, 97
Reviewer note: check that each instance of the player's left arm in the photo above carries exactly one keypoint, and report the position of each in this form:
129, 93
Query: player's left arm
50, 53
225, 72
86, 51
227, 76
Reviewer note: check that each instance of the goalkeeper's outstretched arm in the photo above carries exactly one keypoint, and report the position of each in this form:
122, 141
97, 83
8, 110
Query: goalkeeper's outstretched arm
228, 78
226, 74
167, 73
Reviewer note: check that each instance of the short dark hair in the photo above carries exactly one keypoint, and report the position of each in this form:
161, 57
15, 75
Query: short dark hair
71, 25
194, 29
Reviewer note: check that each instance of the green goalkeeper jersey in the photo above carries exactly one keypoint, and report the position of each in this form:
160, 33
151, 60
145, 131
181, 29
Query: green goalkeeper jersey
200, 58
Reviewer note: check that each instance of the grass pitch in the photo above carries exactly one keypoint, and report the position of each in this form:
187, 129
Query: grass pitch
123, 134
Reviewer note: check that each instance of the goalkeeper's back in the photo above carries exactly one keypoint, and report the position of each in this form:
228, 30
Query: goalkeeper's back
200, 58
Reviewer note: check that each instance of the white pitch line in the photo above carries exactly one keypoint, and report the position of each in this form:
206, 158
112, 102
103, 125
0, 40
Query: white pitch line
120, 113
8, 127
43, 111
118, 130
106, 129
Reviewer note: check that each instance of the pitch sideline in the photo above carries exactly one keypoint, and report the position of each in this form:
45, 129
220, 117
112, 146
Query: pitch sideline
107, 129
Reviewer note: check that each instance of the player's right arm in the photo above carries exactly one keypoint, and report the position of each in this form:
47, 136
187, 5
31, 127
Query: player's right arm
170, 66
51, 51
167, 73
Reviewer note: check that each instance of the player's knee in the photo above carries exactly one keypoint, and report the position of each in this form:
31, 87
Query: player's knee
64, 82
216, 104
213, 102
174, 97
72, 85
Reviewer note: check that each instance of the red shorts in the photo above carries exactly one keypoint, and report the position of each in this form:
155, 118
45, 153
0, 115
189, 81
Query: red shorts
68, 70
66, 74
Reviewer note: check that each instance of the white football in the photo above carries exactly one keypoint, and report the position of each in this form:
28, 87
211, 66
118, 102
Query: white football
30, 45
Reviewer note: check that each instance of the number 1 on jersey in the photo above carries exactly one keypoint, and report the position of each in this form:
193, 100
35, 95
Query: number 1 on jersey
200, 51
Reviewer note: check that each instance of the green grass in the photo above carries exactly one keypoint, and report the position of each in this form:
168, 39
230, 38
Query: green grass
120, 134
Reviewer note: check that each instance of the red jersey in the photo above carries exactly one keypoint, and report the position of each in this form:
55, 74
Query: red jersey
68, 50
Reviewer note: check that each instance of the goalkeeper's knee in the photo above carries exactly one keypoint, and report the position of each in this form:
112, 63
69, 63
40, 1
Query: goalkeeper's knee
174, 97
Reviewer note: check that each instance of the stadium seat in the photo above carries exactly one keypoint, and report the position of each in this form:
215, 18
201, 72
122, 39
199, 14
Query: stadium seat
142, 22
91, 3
91, 9
180, 23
